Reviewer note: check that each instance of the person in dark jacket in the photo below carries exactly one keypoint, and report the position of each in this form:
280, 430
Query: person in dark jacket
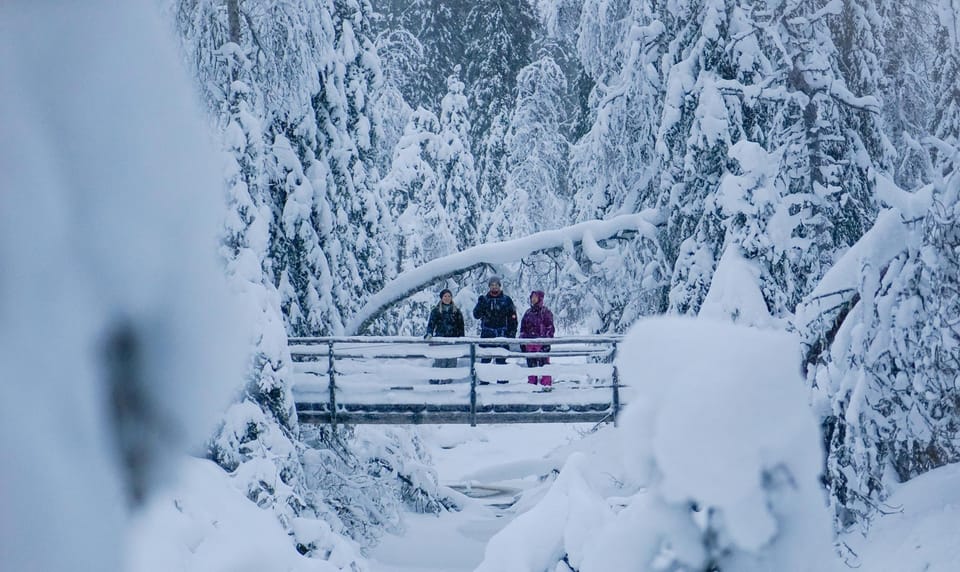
446, 321
498, 317
537, 323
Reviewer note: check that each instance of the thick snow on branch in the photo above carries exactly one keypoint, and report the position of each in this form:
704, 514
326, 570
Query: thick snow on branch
878, 246
912, 204
644, 223
832, 8
866, 102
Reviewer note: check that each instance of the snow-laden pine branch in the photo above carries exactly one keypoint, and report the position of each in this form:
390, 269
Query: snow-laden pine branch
643, 223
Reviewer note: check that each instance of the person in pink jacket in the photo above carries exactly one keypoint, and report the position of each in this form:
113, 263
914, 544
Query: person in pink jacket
537, 322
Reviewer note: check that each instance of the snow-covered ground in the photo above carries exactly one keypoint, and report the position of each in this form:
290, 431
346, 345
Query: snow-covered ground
494, 466
727, 430
205, 524
921, 533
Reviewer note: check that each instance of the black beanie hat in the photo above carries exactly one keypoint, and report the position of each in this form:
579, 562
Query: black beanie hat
445, 291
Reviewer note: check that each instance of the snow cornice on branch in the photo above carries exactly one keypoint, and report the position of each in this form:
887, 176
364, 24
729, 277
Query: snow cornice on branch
586, 233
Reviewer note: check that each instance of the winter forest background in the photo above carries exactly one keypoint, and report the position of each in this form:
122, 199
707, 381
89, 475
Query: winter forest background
797, 157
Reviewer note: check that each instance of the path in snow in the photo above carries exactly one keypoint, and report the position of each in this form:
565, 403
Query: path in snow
494, 465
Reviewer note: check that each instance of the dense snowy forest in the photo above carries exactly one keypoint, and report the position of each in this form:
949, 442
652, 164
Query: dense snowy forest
796, 162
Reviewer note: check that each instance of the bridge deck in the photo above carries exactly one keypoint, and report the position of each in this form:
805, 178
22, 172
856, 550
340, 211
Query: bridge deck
443, 413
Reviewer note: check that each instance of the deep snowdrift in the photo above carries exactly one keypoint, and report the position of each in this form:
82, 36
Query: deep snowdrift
718, 417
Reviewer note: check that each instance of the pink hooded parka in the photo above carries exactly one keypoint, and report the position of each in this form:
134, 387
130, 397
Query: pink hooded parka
537, 322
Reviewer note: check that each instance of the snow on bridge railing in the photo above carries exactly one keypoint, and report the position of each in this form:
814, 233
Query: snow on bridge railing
389, 379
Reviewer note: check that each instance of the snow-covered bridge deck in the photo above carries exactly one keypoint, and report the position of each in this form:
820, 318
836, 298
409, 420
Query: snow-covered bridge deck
354, 380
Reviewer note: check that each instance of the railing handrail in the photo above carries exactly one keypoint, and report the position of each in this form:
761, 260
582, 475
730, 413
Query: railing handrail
333, 353
588, 339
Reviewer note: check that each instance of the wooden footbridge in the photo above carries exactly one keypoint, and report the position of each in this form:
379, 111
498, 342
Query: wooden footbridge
393, 380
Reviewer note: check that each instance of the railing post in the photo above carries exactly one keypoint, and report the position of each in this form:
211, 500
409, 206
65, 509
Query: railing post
616, 387
333, 387
473, 384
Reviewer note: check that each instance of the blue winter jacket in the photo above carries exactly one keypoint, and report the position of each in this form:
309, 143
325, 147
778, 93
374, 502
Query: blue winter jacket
497, 315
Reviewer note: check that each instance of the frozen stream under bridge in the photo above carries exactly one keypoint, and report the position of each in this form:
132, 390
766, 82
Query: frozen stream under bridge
392, 380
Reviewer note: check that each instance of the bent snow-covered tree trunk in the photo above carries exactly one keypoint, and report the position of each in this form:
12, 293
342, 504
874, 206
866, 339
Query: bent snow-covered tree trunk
585, 234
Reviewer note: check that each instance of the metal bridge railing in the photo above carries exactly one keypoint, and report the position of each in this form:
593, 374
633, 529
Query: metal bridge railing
383, 379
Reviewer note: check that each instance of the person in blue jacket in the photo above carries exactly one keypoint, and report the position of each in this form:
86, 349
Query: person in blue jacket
498, 317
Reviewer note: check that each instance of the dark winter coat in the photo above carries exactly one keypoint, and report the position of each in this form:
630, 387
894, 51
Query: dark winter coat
446, 321
537, 323
497, 315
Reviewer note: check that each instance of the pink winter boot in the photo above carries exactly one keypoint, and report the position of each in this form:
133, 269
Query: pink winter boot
532, 379
546, 381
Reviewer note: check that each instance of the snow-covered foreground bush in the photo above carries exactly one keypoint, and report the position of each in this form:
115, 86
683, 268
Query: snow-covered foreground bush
205, 524
715, 462
117, 344
120, 341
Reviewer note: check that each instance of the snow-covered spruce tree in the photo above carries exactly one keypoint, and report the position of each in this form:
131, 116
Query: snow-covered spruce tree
432, 195
259, 89
861, 49
600, 32
907, 85
411, 182
535, 171
883, 350
284, 69
409, 186
498, 38
783, 88
559, 25
320, 86
945, 74
437, 27
399, 55
455, 165
612, 165
839, 150
888, 352
303, 271
401, 62
357, 240
256, 440
536, 191
431, 189
699, 124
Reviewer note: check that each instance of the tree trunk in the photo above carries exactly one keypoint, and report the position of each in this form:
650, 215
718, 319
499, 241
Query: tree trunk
233, 20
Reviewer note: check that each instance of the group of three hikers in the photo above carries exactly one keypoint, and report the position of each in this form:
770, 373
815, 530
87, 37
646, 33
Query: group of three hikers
498, 319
